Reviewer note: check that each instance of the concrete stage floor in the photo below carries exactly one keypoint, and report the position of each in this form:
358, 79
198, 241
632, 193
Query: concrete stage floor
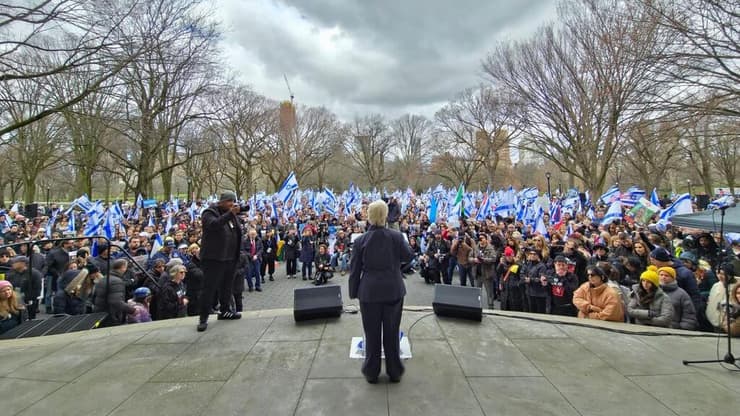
265, 364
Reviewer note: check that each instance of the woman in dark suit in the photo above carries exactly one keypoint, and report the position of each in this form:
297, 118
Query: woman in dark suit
376, 280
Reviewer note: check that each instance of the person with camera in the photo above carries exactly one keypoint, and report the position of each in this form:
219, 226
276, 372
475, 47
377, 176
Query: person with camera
220, 245
461, 247
483, 260
269, 254
376, 280
324, 271
436, 258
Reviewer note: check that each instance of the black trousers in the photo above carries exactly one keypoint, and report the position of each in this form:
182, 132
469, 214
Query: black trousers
291, 267
385, 319
218, 276
267, 265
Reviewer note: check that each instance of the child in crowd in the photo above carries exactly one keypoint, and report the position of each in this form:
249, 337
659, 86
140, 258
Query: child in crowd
140, 303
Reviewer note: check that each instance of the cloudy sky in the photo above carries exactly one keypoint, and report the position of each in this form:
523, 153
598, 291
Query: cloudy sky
363, 56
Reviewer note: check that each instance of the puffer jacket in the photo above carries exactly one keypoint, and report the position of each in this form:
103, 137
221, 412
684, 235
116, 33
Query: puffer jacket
658, 313
684, 314
604, 297
111, 298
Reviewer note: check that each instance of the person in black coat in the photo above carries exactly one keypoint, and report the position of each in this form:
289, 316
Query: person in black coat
376, 280
28, 280
308, 251
290, 253
253, 249
269, 254
194, 280
109, 294
172, 300
219, 253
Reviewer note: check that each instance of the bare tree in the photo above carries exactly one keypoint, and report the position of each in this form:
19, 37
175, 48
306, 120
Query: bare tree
698, 140
701, 59
71, 34
412, 134
725, 153
582, 84
484, 120
33, 147
244, 121
303, 146
651, 147
161, 89
369, 146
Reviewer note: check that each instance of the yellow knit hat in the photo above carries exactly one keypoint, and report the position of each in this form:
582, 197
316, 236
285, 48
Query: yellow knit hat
651, 275
669, 270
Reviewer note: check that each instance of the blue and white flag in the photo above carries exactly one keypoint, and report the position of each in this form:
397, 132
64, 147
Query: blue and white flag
724, 202
108, 230
611, 195
540, 227
654, 197
682, 205
71, 225
157, 245
290, 184
613, 214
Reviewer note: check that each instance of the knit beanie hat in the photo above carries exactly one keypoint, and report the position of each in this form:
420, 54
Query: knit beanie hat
669, 270
651, 275
508, 251
5, 283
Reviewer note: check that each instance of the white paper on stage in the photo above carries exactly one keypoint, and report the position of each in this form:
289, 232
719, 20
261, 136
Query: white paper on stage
357, 352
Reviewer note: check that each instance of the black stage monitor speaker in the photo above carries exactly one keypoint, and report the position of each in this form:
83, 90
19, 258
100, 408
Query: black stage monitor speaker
458, 302
317, 302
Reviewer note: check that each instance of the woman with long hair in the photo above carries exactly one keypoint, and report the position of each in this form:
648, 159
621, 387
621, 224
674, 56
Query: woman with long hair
12, 313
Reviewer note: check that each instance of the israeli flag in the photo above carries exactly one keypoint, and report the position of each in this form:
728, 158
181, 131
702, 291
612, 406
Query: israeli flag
611, 195
287, 188
682, 205
654, 197
613, 214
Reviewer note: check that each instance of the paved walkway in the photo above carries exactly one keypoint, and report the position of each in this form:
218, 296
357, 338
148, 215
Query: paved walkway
279, 294
265, 364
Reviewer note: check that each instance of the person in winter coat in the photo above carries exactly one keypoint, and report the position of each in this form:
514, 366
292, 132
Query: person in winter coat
461, 248
684, 314
269, 254
109, 294
12, 312
511, 284
194, 280
595, 299
290, 252
308, 252
734, 314
436, 258
649, 305
483, 260
140, 303
562, 284
323, 266
535, 281
29, 281
715, 304
172, 300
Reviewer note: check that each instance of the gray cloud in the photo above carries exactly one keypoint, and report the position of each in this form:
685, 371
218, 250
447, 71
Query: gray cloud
387, 56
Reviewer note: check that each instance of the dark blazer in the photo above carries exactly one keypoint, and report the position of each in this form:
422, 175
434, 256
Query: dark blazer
376, 266
248, 248
222, 235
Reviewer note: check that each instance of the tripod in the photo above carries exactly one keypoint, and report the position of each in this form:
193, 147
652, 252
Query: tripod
728, 358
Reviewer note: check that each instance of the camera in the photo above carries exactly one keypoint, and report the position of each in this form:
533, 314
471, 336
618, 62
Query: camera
243, 208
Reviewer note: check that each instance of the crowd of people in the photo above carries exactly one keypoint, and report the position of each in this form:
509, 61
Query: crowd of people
618, 271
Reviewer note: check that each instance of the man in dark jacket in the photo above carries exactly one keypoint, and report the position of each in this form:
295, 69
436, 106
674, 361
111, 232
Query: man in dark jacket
219, 253
290, 252
253, 249
56, 263
562, 284
376, 280
28, 280
535, 281
109, 294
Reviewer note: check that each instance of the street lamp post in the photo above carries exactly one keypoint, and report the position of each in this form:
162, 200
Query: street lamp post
688, 182
549, 193
190, 184
48, 198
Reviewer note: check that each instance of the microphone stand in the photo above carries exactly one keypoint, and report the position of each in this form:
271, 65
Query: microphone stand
728, 358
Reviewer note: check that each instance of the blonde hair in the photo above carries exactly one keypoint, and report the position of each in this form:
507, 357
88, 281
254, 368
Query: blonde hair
80, 286
10, 305
377, 213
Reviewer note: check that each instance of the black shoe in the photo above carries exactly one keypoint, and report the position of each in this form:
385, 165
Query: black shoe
250, 290
259, 289
202, 326
304, 278
271, 279
229, 316
371, 380
263, 280
396, 379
